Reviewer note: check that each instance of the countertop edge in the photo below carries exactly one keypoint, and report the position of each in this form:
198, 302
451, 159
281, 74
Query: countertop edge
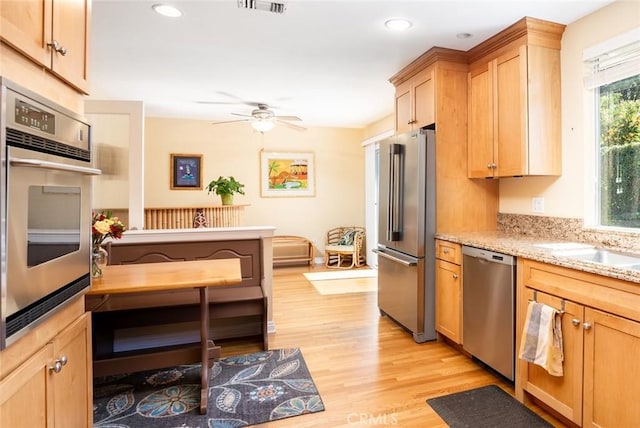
195, 234
524, 246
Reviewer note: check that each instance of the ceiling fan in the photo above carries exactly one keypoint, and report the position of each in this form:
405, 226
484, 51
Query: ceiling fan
263, 119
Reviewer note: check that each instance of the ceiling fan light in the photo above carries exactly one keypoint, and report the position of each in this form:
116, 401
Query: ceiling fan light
262, 125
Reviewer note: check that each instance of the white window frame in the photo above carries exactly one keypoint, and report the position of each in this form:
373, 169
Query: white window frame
593, 80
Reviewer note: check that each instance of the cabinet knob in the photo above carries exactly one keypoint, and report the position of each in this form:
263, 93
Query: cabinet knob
57, 366
455, 276
575, 322
58, 47
586, 326
445, 251
492, 165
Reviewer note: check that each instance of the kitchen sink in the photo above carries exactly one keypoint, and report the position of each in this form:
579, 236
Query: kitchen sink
602, 256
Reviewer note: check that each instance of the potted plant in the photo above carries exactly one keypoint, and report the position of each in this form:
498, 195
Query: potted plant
226, 187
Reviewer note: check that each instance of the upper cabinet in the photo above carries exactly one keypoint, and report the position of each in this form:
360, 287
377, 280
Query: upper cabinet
433, 89
514, 102
53, 33
415, 102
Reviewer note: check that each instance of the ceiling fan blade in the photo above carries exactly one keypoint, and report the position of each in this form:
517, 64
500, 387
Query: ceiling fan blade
230, 121
240, 114
295, 118
241, 101
291, 125
216, 102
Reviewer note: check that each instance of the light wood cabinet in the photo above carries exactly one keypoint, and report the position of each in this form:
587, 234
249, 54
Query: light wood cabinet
449, 290
52, 33
601, 341
415, 102
514, 102
611, 370
53, 387
433, 89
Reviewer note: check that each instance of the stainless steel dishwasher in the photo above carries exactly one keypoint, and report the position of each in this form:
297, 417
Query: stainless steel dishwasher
488, 308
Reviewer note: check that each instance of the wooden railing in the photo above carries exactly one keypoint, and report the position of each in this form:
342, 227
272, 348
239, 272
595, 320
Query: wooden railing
182, 218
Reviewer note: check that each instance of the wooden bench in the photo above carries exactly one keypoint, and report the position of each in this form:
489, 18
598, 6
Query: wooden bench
235, 311
289, 249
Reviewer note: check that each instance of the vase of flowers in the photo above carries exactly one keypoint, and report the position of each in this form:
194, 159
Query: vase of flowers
104, 225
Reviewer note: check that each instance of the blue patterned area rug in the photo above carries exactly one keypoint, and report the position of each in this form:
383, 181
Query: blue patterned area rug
244, 390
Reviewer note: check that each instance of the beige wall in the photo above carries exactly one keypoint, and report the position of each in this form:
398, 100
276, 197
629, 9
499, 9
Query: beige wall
234, 149
570, 195
380, 126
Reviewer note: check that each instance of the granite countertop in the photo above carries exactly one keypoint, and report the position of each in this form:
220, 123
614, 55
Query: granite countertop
526, 246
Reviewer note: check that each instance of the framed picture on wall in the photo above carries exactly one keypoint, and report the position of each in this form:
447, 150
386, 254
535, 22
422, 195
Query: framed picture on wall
186, 172
287, 174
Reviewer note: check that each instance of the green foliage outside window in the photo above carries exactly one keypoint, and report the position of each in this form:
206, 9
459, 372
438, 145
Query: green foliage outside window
620, 153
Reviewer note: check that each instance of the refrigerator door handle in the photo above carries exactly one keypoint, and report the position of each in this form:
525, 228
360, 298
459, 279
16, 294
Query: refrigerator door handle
412, 262
396, 192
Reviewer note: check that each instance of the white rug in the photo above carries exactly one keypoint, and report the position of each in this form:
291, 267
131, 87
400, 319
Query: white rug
344, 281
341, 274
344, 286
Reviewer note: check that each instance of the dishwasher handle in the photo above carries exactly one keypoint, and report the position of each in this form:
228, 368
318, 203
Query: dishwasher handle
489, 256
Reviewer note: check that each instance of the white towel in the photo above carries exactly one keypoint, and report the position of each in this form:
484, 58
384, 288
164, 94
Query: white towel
542, 338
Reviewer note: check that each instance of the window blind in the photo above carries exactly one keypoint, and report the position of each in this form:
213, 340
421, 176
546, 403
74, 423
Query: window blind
616, 59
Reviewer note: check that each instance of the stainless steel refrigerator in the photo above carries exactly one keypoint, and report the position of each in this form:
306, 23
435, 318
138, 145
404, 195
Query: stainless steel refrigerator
406, 219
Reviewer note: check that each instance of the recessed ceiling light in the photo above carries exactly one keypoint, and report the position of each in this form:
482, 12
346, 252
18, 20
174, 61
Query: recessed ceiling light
167, 10
464, 35
398, 24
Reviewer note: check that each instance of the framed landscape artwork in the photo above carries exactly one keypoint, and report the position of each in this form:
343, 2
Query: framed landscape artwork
287, 174
186, 172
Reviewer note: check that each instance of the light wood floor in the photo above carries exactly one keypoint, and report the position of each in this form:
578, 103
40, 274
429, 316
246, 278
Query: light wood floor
369, 371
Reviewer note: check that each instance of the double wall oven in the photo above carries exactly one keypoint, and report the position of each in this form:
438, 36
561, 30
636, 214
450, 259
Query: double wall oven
45, 209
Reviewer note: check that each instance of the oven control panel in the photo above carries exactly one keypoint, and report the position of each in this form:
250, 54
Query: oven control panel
34, 117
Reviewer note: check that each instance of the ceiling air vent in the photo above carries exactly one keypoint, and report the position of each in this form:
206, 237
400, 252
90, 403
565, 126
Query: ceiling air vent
267, 6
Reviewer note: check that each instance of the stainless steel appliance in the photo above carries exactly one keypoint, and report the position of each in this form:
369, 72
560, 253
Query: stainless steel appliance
406, 186
488, 308
45, 208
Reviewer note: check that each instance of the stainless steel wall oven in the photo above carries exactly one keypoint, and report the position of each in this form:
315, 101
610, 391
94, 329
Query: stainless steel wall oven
45, 209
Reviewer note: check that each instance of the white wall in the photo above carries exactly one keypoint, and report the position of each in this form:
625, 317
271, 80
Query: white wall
570, 195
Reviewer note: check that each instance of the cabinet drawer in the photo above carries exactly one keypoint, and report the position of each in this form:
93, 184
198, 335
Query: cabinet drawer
448, 251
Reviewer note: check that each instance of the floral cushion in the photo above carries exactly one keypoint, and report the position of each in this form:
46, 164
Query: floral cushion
347, 237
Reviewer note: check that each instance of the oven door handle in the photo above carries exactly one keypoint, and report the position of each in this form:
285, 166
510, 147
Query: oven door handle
36, 163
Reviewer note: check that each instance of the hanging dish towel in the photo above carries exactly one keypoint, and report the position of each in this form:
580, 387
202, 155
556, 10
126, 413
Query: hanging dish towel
542, 338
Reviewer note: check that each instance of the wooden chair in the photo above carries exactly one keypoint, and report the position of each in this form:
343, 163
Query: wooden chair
345, 248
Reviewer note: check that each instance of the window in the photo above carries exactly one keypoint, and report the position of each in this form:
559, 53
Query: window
614, 77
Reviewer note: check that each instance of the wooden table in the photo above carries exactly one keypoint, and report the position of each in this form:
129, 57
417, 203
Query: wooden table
148, 277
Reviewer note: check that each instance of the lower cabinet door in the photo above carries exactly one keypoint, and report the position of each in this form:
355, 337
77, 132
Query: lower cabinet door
449, 300
561, 393
25, 393
611, 370
73, 392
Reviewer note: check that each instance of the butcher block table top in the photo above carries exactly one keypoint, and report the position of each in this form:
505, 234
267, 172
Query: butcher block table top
148, 277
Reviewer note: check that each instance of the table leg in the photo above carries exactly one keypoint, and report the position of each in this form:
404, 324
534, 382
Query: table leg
204, 338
